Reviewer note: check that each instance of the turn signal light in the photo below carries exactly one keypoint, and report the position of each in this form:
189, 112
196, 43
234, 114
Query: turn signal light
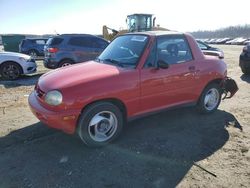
72, 117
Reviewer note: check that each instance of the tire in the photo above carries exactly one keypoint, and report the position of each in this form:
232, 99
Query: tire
210, 99
33, 53
65, 63
10, 71
100, 124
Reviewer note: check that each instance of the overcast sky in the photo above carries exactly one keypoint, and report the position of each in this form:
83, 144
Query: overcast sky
88, 16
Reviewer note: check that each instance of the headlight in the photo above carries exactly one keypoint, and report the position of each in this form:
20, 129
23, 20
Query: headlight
53, 97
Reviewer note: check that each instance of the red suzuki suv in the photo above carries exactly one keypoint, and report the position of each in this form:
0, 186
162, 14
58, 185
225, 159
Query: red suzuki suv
137, 74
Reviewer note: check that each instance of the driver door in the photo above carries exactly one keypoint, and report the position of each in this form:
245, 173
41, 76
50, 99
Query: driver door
161, 88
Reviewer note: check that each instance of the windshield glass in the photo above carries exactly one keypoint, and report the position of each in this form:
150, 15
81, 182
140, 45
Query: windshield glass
124, 50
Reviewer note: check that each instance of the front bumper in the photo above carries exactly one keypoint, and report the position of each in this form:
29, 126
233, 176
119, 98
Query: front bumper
63, 120
29, 67
229, 88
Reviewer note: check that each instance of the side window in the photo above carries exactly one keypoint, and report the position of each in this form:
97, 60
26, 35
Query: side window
31, 42
41, 42
150, 62
202, 46
173, 49
54, 41
98, 43
75, 41
81, 41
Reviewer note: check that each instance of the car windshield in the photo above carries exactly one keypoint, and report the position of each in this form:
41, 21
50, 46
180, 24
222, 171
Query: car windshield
124, 51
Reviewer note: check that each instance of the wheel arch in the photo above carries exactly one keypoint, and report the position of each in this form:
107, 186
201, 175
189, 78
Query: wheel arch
67, 59
214, 81
114, 101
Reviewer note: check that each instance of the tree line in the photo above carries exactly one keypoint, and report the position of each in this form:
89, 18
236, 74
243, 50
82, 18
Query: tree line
230, 32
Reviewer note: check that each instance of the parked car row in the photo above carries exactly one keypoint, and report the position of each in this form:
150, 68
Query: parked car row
244, 59
234, 41
60, 51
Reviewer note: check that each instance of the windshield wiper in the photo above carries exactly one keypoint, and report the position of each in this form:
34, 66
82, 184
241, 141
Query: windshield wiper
114, 62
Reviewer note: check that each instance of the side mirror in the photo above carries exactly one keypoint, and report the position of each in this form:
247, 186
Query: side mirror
162, 64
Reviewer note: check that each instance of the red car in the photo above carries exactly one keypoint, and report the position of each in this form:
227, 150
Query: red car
137, 74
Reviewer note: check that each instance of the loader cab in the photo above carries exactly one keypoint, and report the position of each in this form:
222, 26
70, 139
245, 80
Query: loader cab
140, 22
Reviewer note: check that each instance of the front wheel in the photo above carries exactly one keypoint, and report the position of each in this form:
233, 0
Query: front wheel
100, 124
210, 99
10, 71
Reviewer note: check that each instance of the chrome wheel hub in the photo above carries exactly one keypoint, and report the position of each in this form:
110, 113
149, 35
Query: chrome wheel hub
102, 126
211, 99
65, 64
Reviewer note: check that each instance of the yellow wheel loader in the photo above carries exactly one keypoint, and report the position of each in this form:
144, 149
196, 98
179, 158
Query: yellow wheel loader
135, 23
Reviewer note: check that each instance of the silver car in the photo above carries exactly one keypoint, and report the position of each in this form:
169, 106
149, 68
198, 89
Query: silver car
12, 65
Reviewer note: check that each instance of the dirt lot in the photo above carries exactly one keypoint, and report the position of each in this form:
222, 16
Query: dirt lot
164, 150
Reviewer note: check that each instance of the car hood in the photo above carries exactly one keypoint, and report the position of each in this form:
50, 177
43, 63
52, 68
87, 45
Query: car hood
14, 54
77, 74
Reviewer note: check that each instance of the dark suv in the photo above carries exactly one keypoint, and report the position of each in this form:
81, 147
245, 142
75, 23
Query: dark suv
33, 47
245, 59
67, 49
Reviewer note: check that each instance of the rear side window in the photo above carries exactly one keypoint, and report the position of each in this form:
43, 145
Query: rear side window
26, 42
31, 41
54, 41
81, 41
41, 42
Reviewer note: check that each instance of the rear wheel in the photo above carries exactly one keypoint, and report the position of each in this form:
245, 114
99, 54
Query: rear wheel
100, 124
10, 71
210, 98
65, 63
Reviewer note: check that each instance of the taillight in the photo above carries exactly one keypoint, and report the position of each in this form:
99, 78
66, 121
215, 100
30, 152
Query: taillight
52, 50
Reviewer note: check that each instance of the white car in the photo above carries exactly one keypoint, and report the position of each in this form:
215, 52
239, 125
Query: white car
12, 65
